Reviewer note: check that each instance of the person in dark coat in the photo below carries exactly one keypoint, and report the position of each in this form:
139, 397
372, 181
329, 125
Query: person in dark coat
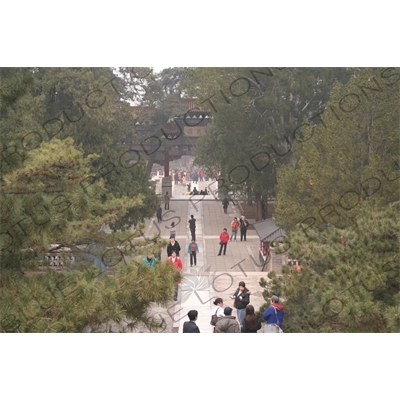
192, 226
190, 326
242, 299
244, 224
225, 204
173, 246
159, 214
251, 323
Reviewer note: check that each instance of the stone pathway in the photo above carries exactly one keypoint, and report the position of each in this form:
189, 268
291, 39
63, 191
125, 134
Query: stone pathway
214, 276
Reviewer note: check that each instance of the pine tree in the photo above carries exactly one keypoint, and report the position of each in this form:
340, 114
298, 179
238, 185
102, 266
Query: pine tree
345, 155
349, 281
85, 105
55, 198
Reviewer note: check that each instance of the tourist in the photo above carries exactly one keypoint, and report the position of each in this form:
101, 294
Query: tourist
172, 230
273, 316
244, 224
192, 226
235, 227
225, 203
177, 262
190, 326
173, 246
241, 300
217, 312
150, 260
193, 249
251, 323
218, 308
228, 323
223, 241
159, 214
166, 201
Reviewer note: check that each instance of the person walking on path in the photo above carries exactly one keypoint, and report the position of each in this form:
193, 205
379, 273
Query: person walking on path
228, 323
172, 230
192, 226
166, 201
173, 246
273, 316
190, 326
150, 260
251, 323
225, 203
192, 250
159, 214
235, 227
244, 224
241, 300
223, 241
177, 262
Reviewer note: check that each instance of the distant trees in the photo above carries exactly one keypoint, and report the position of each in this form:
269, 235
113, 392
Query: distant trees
346, 154
255, 113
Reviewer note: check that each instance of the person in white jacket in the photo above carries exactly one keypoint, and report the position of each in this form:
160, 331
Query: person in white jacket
218, 308
218, 311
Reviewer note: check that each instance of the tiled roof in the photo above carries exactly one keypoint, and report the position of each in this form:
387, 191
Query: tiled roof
267, 230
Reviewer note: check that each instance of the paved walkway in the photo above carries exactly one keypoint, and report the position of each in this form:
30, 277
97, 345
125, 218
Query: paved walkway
214, 276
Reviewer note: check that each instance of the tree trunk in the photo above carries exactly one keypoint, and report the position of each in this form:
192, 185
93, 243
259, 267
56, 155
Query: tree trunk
258, 209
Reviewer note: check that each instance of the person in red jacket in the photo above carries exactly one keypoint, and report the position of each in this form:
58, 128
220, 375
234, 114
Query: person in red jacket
175, 260
223, 241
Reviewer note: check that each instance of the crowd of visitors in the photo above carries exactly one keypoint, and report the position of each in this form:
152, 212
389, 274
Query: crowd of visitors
247, 321
222, 316
184, 177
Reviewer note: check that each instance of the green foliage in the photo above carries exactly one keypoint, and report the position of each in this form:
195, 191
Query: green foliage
350, 277
14, 83
83, 104
255, 112
44, 201
347, 155
63, 134
79, 301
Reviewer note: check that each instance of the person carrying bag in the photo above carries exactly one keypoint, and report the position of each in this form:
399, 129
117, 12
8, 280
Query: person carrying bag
273, 316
